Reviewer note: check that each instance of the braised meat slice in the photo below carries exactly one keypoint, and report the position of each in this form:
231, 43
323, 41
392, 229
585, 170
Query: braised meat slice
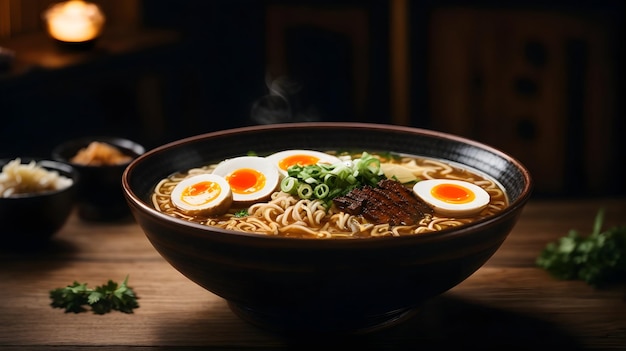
389, 202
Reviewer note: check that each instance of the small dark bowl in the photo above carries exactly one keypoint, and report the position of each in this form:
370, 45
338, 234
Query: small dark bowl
99, 192
323, 285
31, 220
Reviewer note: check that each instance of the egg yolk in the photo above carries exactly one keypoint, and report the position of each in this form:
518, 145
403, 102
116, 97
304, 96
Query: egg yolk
204, 192
301, 160
246, 181
453, 193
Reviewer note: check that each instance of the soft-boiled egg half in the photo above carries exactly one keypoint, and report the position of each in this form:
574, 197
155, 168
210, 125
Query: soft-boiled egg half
287, 158
202, 194
452, 197
251, 178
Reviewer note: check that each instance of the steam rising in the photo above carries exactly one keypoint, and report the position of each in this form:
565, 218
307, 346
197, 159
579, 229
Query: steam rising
284, 103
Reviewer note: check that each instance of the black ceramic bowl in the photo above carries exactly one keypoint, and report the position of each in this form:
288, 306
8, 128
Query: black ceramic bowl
314, 285
99, 193
30, 220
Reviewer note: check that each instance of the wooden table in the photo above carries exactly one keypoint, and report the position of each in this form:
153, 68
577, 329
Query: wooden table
509, 304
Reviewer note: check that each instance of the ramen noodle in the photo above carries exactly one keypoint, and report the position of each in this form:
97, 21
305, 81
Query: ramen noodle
289, 216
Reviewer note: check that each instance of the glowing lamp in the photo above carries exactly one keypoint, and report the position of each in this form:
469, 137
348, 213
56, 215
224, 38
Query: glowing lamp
74, 21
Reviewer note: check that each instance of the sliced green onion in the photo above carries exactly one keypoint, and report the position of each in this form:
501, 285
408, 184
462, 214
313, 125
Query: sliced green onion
331, 180
311, 180
305, 191
313, 171
325, 182
294, 171
289, 185
321, 191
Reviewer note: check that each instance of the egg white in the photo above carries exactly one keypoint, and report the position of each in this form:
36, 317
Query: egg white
278, 157
204, 203
260, 164
423, 190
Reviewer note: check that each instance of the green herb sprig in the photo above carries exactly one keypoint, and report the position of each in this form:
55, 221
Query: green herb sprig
103, 299
598, 259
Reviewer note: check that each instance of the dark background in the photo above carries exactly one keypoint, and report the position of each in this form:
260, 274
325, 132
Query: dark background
541, 81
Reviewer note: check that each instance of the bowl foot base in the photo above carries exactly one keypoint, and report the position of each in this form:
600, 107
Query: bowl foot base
295, 322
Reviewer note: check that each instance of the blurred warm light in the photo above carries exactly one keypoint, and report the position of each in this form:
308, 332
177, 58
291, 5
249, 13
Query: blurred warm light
74, 21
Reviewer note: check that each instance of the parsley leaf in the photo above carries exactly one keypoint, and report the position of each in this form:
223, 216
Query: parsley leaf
598, 259
103, 299
242, 213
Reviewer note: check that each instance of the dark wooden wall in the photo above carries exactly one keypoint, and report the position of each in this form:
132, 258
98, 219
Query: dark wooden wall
540, 81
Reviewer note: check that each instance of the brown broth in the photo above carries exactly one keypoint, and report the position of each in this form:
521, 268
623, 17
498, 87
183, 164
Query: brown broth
285, 215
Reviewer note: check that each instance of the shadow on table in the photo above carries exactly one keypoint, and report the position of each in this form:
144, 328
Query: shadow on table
55, 247
451, 323
443, 323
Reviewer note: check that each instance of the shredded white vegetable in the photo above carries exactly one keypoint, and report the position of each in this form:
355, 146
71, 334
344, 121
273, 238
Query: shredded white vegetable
17, 178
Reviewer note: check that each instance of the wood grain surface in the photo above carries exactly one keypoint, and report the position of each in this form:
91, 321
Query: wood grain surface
509, 304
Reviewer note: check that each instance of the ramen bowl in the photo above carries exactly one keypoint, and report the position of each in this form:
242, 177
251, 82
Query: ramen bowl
100, 163
295, 285
32, 217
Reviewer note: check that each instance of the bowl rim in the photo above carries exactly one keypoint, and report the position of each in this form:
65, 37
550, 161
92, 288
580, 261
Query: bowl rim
510, 210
